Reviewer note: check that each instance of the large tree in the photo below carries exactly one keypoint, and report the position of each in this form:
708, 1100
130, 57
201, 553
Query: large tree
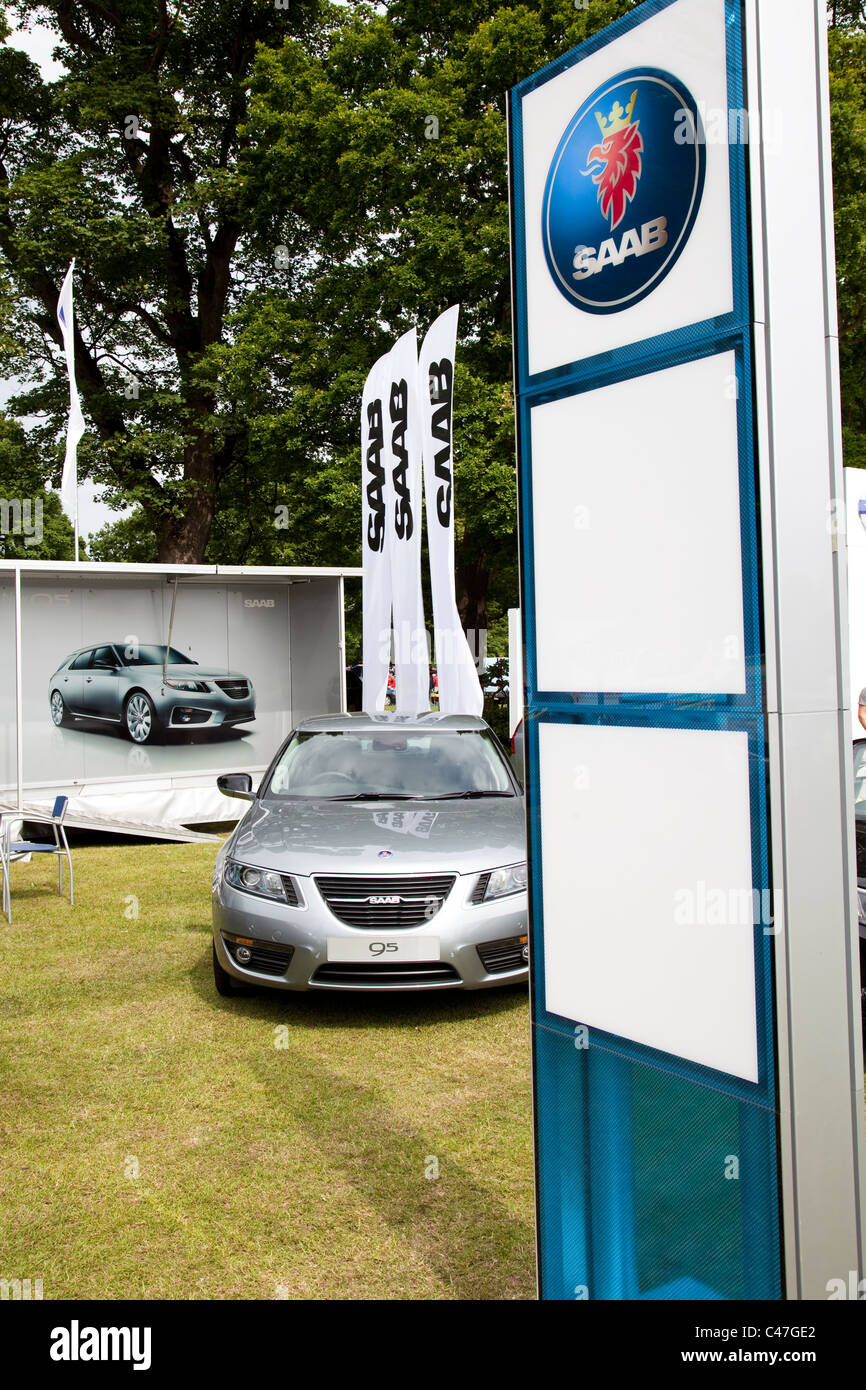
239, 269
392, 146
130, 163
254, 226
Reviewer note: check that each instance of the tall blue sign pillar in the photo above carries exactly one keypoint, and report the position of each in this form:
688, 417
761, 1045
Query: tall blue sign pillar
698, 1065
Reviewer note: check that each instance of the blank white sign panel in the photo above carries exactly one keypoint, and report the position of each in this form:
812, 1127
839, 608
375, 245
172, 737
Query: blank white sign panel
647, 900
636, 522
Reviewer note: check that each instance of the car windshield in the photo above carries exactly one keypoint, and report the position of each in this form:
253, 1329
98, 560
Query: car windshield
860, 779
154, 656
376, 764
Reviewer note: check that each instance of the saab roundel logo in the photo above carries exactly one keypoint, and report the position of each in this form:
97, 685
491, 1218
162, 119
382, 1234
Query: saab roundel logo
623, 190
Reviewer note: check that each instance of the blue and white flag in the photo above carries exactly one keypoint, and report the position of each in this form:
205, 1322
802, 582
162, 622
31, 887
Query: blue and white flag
75, 428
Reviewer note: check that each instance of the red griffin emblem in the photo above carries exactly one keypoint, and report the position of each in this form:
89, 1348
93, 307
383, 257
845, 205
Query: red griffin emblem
619, 156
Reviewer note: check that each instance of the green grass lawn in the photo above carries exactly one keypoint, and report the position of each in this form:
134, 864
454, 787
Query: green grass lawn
159, 1144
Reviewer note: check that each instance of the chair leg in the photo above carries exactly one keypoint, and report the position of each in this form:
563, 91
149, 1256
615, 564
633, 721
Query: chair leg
7, 889
69, 862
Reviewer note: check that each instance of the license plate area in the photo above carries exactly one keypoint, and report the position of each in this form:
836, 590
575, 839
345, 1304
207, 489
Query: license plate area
384, 948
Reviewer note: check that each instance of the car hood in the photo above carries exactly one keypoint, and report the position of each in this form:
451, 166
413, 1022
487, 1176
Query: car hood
198, 673
347, 837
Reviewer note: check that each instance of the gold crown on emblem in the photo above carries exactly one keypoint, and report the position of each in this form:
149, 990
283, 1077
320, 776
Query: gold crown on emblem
618, 118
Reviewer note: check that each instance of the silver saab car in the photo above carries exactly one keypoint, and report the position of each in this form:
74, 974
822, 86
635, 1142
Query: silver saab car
379, 852
147, 692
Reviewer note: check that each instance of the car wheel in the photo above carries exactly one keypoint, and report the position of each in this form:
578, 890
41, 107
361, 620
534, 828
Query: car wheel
139, 718
226, 984
59, 712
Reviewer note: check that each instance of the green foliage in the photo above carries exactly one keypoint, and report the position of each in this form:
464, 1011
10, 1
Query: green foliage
848, 108
259, 201
130, 163
33, 525
129, 541
391, 146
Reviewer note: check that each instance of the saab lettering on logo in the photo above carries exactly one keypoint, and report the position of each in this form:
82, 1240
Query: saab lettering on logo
384, 901
260, 603
638, 175
441, 396
652, 236
403, 522
376, 476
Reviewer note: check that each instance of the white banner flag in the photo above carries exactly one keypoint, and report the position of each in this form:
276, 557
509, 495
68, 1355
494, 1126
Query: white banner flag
403, 450
459, 688
75, 428
375, 492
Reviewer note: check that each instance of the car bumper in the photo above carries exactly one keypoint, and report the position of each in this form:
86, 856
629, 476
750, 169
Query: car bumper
183, 714
291, 943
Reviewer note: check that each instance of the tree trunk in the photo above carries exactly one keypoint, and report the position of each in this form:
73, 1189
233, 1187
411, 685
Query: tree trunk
181, 540
473, 582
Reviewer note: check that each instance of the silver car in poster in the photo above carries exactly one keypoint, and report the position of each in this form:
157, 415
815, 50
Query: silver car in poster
379, 852
146, 691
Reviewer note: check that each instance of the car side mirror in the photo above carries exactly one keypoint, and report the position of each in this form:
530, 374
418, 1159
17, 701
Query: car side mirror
239, 784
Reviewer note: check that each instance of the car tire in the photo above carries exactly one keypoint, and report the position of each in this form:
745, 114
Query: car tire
226, 984
60, 716
140, 723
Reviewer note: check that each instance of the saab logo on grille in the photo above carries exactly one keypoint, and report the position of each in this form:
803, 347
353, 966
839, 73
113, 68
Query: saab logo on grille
379, 901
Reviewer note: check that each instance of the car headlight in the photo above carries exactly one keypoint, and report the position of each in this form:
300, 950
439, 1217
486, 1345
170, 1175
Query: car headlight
503, 881
187, 685
264, 883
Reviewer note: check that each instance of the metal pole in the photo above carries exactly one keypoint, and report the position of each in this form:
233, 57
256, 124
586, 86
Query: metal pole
341, 642
170, 626
19, 703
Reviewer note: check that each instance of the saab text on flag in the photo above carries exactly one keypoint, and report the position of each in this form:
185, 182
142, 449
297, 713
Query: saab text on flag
403, 443
459, 688
375, 492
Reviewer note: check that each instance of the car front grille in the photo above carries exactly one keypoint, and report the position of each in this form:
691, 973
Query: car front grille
480, 888
369, 901
507, 954
387, 975
272, 959
236, 690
